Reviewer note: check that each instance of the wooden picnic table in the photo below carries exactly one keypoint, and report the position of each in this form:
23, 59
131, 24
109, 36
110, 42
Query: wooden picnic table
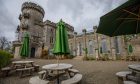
134, 67
22, 63
57, 67
23, 66
135, 76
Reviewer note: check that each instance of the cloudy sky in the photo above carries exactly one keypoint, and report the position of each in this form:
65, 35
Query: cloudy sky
78, 13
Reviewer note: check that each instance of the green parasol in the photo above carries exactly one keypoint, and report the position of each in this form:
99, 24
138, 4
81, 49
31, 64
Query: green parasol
130, 48
123, 20
61, 46
25, 46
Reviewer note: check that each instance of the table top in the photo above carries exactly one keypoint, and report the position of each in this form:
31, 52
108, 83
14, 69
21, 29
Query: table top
60, 66
135, 67
22, 62
123, 73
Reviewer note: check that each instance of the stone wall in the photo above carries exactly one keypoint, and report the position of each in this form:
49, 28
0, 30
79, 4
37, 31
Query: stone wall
107, 44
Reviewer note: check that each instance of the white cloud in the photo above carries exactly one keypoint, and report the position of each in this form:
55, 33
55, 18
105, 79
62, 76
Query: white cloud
79, 13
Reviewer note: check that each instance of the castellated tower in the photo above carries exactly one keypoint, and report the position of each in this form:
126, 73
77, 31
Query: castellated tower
31, 21
42, 34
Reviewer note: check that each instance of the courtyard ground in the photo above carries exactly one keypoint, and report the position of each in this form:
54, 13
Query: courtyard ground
94, 72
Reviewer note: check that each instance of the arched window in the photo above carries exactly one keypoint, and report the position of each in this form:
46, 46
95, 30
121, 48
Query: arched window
71, 48
90, 47
80, 48
51, 36
104, 46
116, 41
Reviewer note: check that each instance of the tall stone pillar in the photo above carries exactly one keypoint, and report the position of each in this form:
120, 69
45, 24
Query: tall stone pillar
114, 53
124, 47
113, 49
17, 46
97, 53
110, 43
85, 45
75, 44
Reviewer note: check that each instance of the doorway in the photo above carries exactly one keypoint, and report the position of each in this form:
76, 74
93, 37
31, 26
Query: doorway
32, 52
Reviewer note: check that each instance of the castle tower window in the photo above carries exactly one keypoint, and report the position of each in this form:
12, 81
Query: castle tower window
26, 15
40, 23
20, 17
18, 29
24, 26
51, 38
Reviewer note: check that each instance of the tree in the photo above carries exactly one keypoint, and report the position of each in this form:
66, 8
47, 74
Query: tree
4, 43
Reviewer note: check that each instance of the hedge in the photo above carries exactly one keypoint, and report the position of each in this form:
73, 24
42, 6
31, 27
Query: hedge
5, 58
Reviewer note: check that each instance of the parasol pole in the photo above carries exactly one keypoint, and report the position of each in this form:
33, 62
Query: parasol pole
58, 60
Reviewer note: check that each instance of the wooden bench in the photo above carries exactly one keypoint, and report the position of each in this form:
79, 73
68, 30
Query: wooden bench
129, 82
72, 72
37, 80
46, 75
42, 74
5, 71
17, 66
36, 68
135, 78
23, 70
122, 76
74, 80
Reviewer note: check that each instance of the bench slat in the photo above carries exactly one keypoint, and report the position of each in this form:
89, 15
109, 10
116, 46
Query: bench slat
25, 69
77, 78
74, 70
123, 73
6, 68
129, 82
37, 80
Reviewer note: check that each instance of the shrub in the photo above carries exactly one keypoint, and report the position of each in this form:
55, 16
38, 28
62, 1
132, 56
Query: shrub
44, 54
89, 58
105, 57
69, 56
5, 58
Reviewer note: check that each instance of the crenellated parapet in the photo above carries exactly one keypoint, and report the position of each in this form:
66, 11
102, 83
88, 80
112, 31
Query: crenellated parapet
33, 6
50, 23
71, 28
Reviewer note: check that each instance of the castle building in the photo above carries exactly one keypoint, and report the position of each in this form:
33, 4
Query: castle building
97, 45
42, 36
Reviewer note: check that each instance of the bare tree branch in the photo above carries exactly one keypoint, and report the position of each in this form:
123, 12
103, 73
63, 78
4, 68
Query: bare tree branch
3, 42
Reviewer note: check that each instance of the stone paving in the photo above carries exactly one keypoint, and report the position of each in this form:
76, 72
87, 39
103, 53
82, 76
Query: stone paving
94, 72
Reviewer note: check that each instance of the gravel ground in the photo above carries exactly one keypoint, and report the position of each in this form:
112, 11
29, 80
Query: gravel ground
94, 72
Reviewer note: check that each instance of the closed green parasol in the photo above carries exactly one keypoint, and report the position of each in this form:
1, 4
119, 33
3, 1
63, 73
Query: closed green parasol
25, 46
123, 20
130, 48
61, 46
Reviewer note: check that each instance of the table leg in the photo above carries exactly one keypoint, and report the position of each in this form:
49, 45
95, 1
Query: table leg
68, 73
57, 77
21, 73
32, 64
120, 80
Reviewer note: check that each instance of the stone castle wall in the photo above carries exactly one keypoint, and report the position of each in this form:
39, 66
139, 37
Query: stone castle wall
77, 45
43, 34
